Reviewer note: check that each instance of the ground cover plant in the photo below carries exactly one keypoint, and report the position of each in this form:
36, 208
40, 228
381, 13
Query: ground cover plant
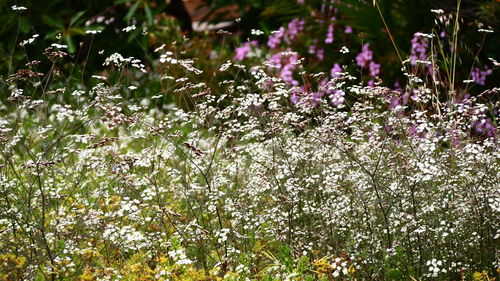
217, 157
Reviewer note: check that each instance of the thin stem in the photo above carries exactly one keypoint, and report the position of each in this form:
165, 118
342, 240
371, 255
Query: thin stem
455, 43
388, 31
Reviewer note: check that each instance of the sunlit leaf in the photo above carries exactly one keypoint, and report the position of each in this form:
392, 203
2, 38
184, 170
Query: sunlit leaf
76, 17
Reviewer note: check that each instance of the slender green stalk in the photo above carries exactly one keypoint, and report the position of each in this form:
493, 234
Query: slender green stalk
455, 43
388, 30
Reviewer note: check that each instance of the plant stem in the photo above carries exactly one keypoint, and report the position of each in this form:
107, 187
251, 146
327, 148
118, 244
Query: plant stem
455, 43
388, 31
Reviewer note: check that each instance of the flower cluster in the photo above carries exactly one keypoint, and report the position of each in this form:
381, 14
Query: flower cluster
479, 75
419, 45
272, 172
244, 50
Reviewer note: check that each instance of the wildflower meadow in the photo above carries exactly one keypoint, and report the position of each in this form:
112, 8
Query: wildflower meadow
265, 140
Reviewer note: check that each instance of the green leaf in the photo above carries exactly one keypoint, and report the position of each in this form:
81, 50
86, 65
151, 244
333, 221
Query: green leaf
52, 34
131, 11
133, 35
95, 27
149, 14
52, 22
286, 257
70, 43
24, 25
76, 31
76, 17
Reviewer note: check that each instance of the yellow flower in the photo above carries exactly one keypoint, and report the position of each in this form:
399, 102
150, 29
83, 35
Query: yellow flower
87, 275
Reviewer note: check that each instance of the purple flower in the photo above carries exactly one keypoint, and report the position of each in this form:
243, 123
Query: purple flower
294, 98
287, 74
320, 53
294, 27
329, 34
336, 70
374, 69
242, 51
275, 60
366, 55
348, 30
419, 46
454, 138
323, 6
297, 95
394, 103
286, 65
312, 49
275, 39
315, 98
484, 126
337, 97
405, 98
479, 76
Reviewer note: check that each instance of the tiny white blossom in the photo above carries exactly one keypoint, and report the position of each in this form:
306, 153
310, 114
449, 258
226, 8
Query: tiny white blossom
129, 28
93, 31
18, 8
256, 32
483, 30
59, 46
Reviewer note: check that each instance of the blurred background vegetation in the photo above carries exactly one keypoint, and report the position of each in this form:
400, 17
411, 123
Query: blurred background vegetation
66, 22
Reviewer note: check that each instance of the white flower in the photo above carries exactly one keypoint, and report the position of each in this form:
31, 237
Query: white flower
159, 48
59, 46
256, 32
437, 11
485, 30
430, 36
29, 41
495, 63
18, 8
100, 77
77, 93
93, 31
129, 28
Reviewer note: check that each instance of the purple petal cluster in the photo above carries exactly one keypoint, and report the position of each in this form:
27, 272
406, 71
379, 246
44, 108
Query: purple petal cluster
479, 75
419, 46
366, 55
276, 37
374, 69
329, 34
335, 71
287, 64
288, 34
484, 126
243, 50
365, 60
